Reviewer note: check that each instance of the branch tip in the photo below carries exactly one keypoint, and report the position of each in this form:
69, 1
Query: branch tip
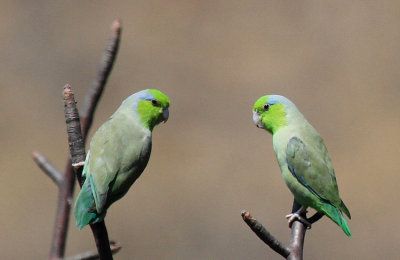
35, 154
246, 215
116, 27
67, 90
264, 234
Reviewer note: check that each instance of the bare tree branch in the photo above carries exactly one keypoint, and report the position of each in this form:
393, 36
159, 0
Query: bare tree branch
65, 192
75, 140
264, 235
101, 238
77, 153
295, 249
100, 80
93, 255
48, 168
66, 183
297, 241
297, 235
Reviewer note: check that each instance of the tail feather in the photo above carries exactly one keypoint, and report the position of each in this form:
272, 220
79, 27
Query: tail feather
85, 211
336, 215
345, 209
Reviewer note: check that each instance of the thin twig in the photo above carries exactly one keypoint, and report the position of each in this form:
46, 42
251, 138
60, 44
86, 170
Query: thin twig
48, 168
264, 235
295, 249
65, 192
100, 80
93, 255
67, 187
75, 140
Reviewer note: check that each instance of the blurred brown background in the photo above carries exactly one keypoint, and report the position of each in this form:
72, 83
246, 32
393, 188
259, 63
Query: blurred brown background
338, 61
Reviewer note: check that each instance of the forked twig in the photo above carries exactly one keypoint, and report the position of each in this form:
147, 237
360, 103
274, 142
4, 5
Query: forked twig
295, 249
100, 80
66, 181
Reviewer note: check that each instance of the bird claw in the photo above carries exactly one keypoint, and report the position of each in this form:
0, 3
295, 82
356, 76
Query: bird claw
293, 216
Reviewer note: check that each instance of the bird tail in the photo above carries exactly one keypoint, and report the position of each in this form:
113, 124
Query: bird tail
344, 209
85, 209
336, 215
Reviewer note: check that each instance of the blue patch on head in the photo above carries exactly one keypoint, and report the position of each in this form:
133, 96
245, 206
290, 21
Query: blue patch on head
275, 99
143, 95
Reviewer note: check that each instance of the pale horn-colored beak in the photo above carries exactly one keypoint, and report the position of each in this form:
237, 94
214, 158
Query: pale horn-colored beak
257, 120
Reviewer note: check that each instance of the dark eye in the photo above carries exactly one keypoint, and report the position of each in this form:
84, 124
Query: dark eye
155, 103
266, 107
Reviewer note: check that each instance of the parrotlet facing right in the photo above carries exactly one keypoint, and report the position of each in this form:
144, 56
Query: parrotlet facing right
119, 152
303, 158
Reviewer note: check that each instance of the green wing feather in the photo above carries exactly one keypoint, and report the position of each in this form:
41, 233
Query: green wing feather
104, 161
119, 152
312, 167
101, 167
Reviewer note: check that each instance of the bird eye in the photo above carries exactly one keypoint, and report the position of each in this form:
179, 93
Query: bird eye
266, 107
155, 103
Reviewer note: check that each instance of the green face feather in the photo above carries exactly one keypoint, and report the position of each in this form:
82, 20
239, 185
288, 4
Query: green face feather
153, 111
161, 97
268, 115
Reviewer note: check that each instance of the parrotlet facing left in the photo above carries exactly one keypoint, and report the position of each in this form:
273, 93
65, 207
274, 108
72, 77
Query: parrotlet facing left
303, 158
118, 154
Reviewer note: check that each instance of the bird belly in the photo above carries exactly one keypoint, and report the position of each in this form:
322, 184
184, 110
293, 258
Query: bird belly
130, 172
301, 194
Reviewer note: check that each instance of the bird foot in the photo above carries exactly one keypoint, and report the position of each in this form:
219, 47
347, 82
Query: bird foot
296, 215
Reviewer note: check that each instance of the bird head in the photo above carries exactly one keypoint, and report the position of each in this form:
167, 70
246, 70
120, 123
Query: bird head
270, 112
152, 107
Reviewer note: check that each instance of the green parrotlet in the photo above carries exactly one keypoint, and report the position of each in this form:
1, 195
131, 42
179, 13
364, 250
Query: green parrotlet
118, 154
303, 158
